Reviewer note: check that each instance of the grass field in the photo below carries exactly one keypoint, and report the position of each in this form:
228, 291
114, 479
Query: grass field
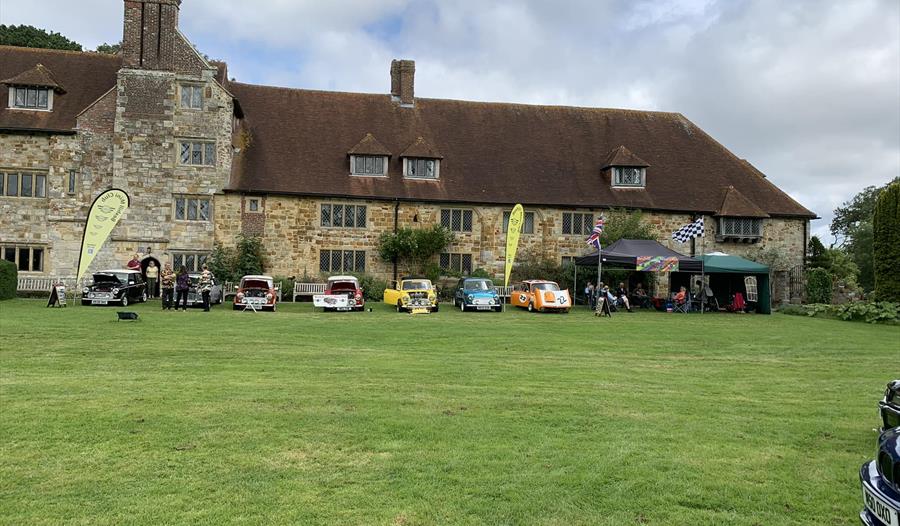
300, 417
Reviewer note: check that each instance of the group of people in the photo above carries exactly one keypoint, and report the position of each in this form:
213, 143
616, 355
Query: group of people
174, 286
616, 298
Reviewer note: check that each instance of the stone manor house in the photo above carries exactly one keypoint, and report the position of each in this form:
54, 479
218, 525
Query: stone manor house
320, 175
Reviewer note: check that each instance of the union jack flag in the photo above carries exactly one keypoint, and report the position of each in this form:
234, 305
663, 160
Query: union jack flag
594, 239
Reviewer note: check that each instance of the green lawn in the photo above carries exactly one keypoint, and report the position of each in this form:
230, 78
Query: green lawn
300, 417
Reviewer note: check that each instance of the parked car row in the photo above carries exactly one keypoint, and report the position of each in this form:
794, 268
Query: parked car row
880, 478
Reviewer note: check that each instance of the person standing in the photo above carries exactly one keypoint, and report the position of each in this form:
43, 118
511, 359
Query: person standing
205, 286
135, 263
182, 285
152, 276
167, 284
590, 295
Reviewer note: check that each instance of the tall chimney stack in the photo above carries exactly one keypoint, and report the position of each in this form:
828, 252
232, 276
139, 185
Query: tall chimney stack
148, 41
403, 80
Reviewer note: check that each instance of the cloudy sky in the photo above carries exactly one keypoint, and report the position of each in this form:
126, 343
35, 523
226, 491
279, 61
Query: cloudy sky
807, 90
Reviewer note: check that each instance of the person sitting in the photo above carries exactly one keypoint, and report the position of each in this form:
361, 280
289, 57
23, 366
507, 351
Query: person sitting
603, 294
640, 297
680, 297
622, 297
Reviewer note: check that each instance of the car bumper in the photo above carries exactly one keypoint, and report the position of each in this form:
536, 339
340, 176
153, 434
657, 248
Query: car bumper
872, 482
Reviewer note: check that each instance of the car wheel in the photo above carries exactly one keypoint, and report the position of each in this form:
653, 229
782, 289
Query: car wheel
530, 307
144, 297
235, 307
436, 308
462, 306
399, 307
125, 300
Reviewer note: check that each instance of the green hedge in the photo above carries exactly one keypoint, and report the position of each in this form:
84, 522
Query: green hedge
9, 279
886, 243
818, 286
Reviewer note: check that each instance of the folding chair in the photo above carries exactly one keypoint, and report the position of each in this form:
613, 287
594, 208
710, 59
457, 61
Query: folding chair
682, 307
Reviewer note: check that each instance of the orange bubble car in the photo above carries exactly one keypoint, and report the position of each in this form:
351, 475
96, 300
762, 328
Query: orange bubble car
539, 295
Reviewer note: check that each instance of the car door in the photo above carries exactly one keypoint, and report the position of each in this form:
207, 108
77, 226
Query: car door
519, 296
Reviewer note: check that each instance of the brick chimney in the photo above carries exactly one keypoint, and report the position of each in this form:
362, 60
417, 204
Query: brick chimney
148, 41
403, 80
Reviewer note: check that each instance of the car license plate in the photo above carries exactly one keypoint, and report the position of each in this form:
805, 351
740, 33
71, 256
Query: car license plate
482, 307
879, 508
420, 310
99, 302
342, 308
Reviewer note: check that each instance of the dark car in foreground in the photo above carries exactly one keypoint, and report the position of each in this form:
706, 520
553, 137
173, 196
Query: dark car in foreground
119, 287
880, 481
889, 406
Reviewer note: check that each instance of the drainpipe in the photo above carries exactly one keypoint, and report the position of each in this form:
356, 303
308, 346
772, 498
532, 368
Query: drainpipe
396, 220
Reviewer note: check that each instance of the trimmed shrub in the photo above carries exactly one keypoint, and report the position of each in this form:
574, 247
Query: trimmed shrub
886, 243
287, 287
868, 311
818, 286
9, 279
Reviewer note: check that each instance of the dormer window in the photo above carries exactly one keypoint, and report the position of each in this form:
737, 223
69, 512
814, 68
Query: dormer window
372, 165
31, 98
630, 176
419, 168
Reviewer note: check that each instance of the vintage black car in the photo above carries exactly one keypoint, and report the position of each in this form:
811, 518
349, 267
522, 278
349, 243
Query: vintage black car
119, 287
880, 480
890, 406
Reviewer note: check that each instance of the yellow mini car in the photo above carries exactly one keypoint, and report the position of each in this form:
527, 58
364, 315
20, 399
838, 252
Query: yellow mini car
412, 294
539, 295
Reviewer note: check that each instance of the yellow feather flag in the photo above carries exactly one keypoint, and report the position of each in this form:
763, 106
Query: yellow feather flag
105, 213
513, 230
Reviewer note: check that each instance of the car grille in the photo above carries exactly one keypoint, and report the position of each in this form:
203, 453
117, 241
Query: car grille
100, 295
889, 470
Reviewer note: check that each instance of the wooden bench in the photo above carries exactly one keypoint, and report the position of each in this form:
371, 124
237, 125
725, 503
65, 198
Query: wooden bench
307, 289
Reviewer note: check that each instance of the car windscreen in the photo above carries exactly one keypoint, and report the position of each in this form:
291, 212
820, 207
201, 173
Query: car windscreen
111, 277
416, 285
254, 284
478, 284
546, 286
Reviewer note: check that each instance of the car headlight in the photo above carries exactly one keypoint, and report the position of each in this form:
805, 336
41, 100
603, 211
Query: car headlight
405, 299
470, 297
493, 301
115, 291
239, 296
269, 296
85, 290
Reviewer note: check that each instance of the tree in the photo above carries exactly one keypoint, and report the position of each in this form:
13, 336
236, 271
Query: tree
109, 49
414, 246
30, 36
232, 263
817, 257
852, 229
622, 224
886, 243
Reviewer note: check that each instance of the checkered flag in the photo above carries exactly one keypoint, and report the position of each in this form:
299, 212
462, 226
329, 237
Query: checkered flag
689, 231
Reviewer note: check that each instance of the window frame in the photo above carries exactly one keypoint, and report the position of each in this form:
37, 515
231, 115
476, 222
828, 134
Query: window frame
585, 224
618, 177
504, 219
193, 89
355, 256
188, 200
37, 184
408, 161
197, 257
30, 248
197, 146
462, 219
756, 225
249, 208
72, 183
347, 210
463, 260
38, 91
384, 165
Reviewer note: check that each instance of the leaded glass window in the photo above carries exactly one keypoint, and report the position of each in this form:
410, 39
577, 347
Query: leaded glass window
576, 223
344, 216
198, 153
456, 220
421, 168
628, 176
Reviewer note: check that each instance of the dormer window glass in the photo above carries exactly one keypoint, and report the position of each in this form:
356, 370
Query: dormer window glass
373, 165
30, 98
419, 168
628, 176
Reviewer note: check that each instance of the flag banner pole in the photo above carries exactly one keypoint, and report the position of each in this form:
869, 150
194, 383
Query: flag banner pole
702, 275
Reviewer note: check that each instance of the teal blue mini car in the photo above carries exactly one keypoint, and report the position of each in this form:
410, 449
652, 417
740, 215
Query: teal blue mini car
477, 294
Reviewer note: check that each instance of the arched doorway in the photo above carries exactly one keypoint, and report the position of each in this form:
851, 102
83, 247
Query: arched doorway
146, 262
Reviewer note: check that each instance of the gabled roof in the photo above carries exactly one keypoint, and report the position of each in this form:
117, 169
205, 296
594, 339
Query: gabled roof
369, 145
421, 148
622, 156
734, 204
38, 76
493, 153
86, 77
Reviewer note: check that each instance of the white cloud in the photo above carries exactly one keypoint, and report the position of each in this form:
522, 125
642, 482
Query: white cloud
808, 90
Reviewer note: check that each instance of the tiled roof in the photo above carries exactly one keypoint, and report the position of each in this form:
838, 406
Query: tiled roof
493, 153
734, 204
369, 145
86, 76
421, 148
622, 156
38, 76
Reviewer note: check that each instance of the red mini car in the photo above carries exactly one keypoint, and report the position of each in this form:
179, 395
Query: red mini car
341, 293
256, 292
